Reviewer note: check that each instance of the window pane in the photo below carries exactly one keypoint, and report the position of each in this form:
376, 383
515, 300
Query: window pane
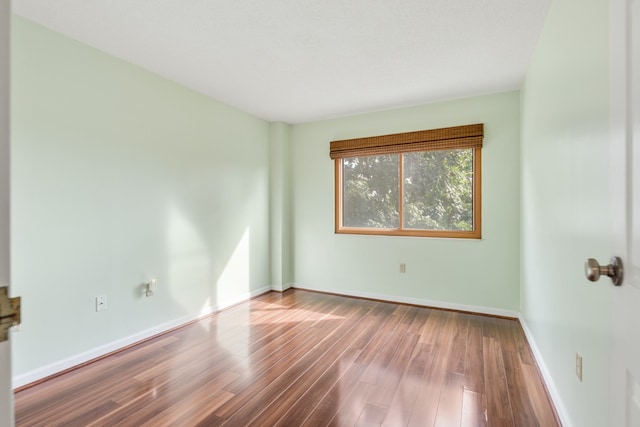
370, 191
438, 190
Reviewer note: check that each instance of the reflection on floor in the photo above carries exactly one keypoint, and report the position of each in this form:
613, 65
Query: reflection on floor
304, 358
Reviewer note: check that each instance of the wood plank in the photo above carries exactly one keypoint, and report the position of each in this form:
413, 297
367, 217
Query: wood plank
401, 406
474, 358
329, 346
305, 358
473, 409
496, 390
519, 393
352, 405
426, 405
372, 415
318, 403
390, 377
457, 356
281, 409
450, 403
327, 406
543, 411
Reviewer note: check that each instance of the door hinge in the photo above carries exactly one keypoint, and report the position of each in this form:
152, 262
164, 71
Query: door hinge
9, 313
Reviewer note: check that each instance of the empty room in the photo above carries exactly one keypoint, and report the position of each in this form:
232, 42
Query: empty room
349, 213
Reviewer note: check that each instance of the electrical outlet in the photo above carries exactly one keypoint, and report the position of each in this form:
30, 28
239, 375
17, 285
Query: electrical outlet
150, 287
101, 302
403, 267
579, 366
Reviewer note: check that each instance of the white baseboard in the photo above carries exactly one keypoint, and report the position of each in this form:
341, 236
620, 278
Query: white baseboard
417, 301
281, 288
241, 298
546, 375
70, 362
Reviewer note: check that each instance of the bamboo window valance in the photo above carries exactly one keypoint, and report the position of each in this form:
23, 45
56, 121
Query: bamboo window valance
468, 136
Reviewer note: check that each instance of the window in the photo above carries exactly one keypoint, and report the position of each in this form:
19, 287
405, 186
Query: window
424, 183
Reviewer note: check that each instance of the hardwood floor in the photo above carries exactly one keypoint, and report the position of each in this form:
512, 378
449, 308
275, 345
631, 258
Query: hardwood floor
307, 359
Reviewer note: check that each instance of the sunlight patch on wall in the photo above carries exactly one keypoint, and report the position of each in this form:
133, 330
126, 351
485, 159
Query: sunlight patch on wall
235, 278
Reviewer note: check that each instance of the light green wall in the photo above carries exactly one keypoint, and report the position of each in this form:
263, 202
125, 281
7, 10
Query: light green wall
6, 396
120, 176
454, 271
280, 204
565, 207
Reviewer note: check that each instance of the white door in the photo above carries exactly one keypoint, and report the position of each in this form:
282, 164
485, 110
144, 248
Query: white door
625, 203
6, 394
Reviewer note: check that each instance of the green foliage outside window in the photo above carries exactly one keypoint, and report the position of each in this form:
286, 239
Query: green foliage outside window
370, 195
437, 191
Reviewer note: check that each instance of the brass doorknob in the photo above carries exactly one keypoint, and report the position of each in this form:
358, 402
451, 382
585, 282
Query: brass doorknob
593, 270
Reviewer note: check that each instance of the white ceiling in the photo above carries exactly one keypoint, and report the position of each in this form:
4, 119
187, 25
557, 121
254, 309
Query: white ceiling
305, 60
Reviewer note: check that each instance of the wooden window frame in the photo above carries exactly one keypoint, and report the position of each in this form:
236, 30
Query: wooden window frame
459, 137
